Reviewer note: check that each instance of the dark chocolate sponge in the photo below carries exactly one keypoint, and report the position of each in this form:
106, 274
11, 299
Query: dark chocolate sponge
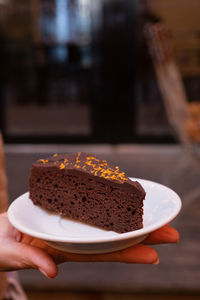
88, 189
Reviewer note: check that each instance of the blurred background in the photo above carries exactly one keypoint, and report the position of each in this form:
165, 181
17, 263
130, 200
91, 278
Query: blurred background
120, 79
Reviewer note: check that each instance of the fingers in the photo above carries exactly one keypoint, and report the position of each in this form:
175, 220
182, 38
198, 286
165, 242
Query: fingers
166, 234
139, 254
39, 259
22, 256
15, 255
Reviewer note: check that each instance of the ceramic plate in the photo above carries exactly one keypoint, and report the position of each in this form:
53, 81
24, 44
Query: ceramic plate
160, 207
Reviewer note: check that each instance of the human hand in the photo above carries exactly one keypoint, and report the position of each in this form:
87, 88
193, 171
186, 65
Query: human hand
20, 251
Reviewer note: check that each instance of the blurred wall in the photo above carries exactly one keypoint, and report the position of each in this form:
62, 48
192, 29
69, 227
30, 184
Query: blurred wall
182, 17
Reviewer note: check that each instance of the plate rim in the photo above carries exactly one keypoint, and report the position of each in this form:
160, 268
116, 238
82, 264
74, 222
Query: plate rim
120, 236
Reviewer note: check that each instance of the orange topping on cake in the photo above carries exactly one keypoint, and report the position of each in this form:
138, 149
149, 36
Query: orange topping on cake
90, 164
101, 169
78, 160
44, 161
62, 166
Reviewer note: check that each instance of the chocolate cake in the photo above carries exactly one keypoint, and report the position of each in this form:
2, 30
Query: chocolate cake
88, 189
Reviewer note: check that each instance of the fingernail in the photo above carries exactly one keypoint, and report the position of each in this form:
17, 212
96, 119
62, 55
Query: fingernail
44, 273
172, 235
156, 262
177, 237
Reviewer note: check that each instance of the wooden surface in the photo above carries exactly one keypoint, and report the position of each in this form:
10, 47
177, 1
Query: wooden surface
179, 268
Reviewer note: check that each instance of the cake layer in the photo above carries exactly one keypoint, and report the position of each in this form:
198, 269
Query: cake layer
89, 209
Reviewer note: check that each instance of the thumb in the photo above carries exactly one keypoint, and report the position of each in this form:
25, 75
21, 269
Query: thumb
26, 256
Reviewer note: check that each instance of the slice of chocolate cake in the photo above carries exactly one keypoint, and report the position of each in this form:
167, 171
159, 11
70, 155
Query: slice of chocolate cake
88, 189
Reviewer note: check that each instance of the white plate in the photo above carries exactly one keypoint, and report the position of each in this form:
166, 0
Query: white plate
160, 207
